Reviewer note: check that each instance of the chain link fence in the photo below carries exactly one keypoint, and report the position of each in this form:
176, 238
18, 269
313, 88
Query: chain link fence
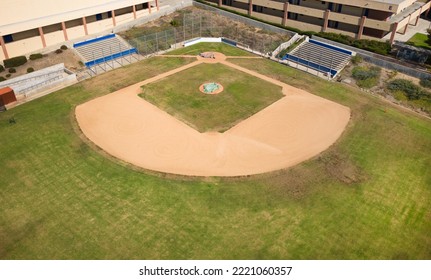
203, 24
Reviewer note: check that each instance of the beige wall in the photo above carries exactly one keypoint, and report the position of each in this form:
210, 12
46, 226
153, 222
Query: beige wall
19, 15
315, 4
2, 55
75, 32
54, 38
404, 5
376, 5
269, 4
99, 26
24, 46
353, 11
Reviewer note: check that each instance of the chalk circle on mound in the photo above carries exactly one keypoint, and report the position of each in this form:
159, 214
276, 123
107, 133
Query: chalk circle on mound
211, 88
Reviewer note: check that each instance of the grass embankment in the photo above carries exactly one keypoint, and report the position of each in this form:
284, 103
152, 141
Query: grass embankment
367, 197
242, 97
420, 40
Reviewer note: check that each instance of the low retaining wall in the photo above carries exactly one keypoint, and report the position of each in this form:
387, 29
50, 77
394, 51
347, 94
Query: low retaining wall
287, 44
40, 79
202, 40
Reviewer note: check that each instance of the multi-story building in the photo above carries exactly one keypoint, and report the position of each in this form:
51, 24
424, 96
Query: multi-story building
367, 19
27, 25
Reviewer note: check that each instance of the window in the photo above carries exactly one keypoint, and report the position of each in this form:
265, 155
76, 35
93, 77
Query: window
257, 8
99, 17
8, 38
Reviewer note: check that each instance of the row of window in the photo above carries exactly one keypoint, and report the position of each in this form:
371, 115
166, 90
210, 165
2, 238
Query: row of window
72, 23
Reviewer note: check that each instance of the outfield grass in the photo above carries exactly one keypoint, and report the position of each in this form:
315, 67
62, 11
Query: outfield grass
214, 47
242, 97
367, 197
420, 40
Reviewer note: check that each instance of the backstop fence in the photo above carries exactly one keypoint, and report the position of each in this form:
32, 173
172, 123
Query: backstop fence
200, 24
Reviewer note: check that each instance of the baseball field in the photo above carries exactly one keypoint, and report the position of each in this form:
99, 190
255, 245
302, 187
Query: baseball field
63, 197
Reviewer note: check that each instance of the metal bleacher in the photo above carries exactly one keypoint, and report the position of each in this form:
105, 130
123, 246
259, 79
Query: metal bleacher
320, 56
101, 50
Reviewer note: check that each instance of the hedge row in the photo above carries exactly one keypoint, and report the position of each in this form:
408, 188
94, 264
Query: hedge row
36, 56
15, 61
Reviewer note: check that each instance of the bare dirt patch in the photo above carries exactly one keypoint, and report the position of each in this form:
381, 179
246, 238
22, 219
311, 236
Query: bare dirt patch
68, 57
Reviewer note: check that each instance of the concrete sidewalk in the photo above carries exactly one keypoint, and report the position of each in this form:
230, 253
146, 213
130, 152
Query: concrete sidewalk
421, 27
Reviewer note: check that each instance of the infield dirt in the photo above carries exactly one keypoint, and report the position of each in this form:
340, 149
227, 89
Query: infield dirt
296, 128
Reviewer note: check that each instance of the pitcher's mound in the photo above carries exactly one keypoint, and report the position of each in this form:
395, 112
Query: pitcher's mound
211, 88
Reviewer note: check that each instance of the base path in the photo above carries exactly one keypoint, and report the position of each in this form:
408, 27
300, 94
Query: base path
296, 128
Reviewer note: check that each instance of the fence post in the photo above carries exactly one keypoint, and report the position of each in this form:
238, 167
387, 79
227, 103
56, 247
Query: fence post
166, 39
184, 27
157, 43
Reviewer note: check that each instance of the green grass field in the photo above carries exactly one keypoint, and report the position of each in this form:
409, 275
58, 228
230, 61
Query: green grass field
215, 47
367, 197
242, 97
420, 40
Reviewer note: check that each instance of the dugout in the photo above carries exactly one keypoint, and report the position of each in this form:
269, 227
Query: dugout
6, 96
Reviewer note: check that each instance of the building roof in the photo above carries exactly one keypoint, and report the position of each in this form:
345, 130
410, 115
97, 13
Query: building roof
5, 90
407, 12
395, 2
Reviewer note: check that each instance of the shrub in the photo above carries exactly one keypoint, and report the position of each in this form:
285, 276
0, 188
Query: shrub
392, 74
63, 47
8, 75
356, 59
36, 56
30, 69
174, 23
379, 47
15, 61
12, 70
426, 83
1, 68
362, 73
58, 51
2, 79
366, 77
410, 90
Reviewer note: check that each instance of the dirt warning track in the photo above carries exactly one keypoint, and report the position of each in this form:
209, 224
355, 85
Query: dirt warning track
291, 130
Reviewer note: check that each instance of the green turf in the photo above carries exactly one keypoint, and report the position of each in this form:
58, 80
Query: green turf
367, 197
214, 47
243, 96
420, 40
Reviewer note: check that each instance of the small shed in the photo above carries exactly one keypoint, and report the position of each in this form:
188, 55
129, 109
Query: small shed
6, 96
